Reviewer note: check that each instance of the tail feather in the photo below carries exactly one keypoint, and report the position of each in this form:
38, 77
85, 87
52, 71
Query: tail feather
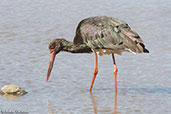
144, 49
132, 40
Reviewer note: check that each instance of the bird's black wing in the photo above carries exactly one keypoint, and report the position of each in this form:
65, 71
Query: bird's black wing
108, 33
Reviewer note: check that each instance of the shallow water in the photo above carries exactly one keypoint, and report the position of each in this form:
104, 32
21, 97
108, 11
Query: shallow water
27, 26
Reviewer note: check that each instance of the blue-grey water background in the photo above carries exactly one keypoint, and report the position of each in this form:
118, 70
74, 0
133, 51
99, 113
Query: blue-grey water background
144, 80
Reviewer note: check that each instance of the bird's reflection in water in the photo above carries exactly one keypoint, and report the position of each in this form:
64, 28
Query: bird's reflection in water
95, 104
93, 100
51, 108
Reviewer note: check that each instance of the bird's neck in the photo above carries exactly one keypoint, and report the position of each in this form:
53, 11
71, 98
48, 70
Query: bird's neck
72, 48
67, 46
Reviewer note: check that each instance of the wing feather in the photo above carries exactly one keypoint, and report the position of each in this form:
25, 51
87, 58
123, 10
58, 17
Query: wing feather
108, 33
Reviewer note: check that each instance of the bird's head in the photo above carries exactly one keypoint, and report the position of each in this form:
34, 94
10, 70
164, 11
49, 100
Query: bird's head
55, 46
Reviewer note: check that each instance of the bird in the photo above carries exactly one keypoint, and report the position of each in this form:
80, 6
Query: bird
99, 35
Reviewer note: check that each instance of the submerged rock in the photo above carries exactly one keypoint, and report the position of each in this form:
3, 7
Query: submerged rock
12, 90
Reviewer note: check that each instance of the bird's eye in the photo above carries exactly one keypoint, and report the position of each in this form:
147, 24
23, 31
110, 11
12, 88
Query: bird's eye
51, 47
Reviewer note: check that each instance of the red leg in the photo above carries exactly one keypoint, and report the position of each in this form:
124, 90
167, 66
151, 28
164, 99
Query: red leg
95, 71
115, 72
115, 103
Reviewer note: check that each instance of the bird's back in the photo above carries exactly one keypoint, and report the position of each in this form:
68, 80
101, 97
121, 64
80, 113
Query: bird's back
108, 33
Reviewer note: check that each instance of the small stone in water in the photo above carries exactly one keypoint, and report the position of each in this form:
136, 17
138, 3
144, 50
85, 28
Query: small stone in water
12, 90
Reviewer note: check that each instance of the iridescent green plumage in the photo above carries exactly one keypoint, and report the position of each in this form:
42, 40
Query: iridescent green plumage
103, 32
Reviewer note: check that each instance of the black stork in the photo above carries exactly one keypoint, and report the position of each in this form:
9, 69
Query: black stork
100, 35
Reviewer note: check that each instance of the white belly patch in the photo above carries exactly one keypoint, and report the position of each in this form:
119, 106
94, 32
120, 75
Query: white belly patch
107, 51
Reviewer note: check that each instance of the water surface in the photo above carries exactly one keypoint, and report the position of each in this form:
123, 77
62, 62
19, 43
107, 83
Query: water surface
27, 26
